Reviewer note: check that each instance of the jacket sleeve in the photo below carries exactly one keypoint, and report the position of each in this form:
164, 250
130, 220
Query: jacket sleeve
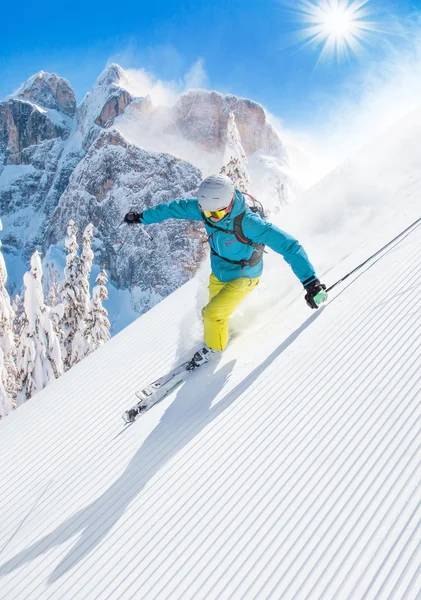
178, 209
263, 232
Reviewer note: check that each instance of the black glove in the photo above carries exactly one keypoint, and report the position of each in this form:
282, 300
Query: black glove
132, 217
316, 294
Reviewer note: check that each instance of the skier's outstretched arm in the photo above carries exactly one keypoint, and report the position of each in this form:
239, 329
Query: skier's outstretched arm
178, 209
263, 232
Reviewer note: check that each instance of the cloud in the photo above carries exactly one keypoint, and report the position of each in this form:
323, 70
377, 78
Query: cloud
156, 132
165, 93
175, 76
164, 59
196, 77
142, 83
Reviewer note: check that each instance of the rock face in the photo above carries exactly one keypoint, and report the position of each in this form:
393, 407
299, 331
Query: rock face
23, 125
114, 177
59, 163
35, 124
108, 99
49, 91
202, 117
114, 106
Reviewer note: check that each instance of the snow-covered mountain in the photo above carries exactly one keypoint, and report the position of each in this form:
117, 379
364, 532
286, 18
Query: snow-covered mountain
35, 126
115, 151
289, 468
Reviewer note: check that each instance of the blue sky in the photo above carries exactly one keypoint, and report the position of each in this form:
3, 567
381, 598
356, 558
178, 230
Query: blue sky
245, 47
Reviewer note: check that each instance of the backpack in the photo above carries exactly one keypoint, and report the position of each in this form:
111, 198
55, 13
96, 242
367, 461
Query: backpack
259, 249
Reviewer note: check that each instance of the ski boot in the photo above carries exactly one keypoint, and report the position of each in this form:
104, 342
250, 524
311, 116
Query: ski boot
200, 358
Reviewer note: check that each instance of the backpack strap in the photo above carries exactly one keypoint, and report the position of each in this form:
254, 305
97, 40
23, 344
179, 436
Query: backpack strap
255, 258
239, 233
259, 249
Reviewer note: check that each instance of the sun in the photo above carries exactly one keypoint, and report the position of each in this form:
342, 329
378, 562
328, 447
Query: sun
339, 27
338, 23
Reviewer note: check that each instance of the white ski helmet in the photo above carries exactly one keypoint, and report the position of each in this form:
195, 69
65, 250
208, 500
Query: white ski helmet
216, 191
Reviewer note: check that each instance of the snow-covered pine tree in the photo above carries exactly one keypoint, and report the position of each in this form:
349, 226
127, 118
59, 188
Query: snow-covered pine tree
98, 328
39, 355
72, 323
19, 311
80, 347
57, 308
8, 373
5, 404
52, 294
235, 159
85, 266
52, 284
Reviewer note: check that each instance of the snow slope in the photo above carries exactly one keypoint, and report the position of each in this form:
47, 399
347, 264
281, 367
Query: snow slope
290, 468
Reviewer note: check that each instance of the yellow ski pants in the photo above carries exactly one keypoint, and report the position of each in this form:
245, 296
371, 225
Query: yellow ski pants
224, 297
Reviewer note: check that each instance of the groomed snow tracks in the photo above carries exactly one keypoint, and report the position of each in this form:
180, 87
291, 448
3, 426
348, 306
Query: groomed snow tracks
297, 477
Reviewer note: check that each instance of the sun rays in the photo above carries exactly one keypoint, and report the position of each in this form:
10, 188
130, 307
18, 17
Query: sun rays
340, 28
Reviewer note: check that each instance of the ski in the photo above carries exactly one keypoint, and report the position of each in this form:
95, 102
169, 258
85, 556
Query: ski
156, 385
156, 392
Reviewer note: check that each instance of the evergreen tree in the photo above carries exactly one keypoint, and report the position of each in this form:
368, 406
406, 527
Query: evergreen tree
5, 404
98, 328
85, 266
72, 323
8, 373
39, 355
52, 285
19, 311
54, 290
235, 159
81, 340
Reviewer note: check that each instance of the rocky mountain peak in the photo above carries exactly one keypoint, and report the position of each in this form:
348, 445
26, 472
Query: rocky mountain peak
108, 99
41, 110
202, 116
113, 74
49, 91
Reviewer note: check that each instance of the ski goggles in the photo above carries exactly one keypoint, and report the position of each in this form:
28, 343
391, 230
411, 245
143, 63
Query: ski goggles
217, 214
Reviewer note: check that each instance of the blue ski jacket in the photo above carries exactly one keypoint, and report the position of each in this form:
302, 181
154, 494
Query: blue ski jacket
255, 228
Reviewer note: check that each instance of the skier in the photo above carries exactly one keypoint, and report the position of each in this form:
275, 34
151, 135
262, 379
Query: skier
237, 237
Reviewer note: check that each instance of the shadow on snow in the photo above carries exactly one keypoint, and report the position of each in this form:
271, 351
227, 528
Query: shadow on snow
188, 415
